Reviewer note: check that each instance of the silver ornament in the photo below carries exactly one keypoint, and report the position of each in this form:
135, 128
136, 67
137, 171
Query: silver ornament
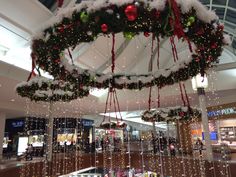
118, 16
89, 33
137, 4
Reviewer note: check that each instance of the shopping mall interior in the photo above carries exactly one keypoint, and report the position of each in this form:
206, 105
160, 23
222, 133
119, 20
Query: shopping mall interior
118, 88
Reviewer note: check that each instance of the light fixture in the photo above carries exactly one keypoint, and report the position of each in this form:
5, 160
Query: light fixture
12, 100
199, 82
3, 50
98, 92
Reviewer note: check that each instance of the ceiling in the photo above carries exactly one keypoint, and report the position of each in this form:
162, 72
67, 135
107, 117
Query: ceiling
19, 21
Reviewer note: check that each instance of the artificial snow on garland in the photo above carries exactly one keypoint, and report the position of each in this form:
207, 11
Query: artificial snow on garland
187, 19
170, 114
42, 89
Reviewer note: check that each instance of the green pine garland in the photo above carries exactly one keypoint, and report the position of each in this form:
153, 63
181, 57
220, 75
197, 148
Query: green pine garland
41, 89
86, 27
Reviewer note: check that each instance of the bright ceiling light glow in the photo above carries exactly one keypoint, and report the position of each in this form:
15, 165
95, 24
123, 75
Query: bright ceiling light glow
98, 92
199, 82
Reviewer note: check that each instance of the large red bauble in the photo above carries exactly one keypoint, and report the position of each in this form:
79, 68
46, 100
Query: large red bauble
146, 34
104, 27
131, 12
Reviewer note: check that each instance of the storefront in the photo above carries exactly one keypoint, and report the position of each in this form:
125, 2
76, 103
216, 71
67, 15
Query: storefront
222, 127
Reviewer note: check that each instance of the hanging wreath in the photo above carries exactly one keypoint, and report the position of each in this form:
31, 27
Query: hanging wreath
188, 20
170, 114
42, 89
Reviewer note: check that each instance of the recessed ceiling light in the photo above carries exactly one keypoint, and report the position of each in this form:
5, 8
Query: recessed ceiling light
12, 100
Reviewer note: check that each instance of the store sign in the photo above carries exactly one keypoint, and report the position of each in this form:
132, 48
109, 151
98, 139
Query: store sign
17, 124
226, 111
87, 123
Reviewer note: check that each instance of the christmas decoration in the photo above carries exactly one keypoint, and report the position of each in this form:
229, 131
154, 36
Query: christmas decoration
84, 17
131, 12
42, 89
172, 19
170, 114
146, 34
104, 27
129, 35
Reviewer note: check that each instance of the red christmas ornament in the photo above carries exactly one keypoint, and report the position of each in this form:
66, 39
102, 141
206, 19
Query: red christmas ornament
197, 59
214, 46
104, 27
181, 114
61, 29
157, 14
131, 12
221, 27
146, 34
210, 58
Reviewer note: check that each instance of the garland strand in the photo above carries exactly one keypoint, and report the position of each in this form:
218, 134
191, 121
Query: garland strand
182, 95
186, 95
113, 53
118, 105
32, 73
60, 3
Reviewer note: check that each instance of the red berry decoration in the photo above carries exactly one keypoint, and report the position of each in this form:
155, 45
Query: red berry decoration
214, 46
104, 27
221, 27
181, 114
131, 12
146, 34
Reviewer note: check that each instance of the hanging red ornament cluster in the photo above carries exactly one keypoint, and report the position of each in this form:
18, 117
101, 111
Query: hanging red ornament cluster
104, 27
131, 12
146, 34
221, 27
214, 46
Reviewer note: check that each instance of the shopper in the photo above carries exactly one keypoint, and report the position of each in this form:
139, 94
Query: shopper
199, 145
9, 150
29, 152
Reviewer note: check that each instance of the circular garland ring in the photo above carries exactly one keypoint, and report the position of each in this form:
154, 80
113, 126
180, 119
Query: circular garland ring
42, 89
170, 114
86, 21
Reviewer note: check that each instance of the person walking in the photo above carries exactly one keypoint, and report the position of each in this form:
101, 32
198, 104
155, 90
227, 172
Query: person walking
199, 146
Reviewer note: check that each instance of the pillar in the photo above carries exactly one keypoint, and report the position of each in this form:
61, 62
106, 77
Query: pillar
205, 124
2, 131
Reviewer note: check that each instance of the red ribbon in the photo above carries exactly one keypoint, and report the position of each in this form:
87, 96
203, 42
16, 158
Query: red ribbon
178, 29
113, 53
158, 53
150, 99
158, 98
60, 3
32, 73
182, 95
186, 95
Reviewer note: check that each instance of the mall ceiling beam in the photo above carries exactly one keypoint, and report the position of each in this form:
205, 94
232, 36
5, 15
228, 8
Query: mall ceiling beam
136, 62
17, 25
118, 52
225, 66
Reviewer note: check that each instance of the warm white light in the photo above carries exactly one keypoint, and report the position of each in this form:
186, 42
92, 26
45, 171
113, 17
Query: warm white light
98, 92
199, 82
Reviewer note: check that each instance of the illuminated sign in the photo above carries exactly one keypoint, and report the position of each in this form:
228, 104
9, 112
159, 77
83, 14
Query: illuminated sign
17, 124
226, 111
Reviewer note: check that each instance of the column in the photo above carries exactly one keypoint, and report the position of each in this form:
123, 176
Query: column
2, 131
49, 140
202, 104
